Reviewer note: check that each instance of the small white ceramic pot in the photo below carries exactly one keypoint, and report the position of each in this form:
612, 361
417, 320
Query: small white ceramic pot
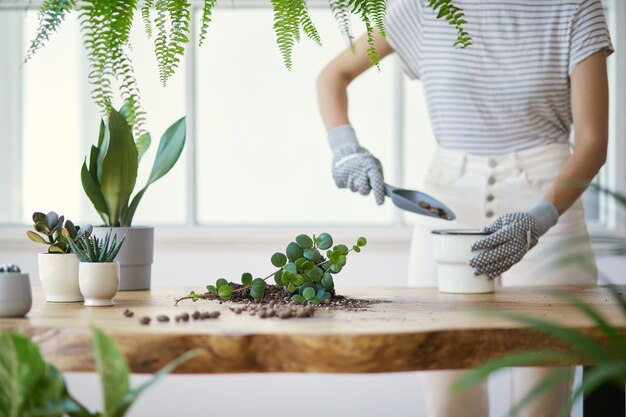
15, 295
452, 251
99, 282
58, 273
135, 257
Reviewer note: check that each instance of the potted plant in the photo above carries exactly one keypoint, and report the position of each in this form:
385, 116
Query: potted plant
109, 179
58, 268
15, 295
98, 272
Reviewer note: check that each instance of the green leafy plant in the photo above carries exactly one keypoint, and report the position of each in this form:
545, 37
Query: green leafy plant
9, 268
93, 249
106, 25
56, 232
32, 387
302, 271
110, 175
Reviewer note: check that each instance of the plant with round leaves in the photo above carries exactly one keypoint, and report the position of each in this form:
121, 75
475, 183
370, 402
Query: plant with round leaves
97, 250
302, 272
56, 232
9, 268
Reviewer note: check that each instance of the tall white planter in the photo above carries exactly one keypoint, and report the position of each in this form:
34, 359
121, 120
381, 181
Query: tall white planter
58, 273
99, 282
135, 257
15, 294
452, 252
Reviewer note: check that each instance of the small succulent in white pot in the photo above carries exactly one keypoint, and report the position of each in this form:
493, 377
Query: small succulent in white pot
58, 267
98, 272
15, 294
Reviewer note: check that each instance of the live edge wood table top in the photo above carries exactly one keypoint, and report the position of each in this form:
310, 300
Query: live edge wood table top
412, 329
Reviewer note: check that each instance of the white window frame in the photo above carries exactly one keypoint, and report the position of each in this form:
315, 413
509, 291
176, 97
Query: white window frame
612, 222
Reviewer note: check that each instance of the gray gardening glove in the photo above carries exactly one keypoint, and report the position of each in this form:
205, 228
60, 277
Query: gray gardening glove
512, 235
355, 167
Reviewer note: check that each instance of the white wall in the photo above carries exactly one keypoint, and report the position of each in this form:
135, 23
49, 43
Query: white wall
192, 258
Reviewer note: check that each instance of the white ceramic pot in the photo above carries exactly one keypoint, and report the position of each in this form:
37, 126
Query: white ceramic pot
15, 295
99, 282
135, 257
58, 273
452, 252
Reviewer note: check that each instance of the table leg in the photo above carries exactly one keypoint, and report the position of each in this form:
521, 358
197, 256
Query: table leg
608, 400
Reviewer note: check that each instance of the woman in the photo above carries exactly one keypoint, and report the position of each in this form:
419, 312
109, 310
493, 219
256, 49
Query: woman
502, 111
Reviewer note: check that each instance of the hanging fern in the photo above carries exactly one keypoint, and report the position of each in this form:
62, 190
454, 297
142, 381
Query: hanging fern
207, 11
286, 26
340, 10
51, 14
168, 46
307, 24
372, 13
455, 16
145, 16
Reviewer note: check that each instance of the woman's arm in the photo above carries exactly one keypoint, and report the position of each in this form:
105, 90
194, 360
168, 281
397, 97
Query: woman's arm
334, 79
590, 110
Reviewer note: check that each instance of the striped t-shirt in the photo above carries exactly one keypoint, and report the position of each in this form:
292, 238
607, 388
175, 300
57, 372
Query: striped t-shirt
510, 90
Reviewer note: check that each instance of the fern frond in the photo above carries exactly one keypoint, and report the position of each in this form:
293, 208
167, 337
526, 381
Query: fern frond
307, 24
179, 18
51, 14
369, 12
207, 11
340, 10
455, 17
286, 27
160, 41
145, 16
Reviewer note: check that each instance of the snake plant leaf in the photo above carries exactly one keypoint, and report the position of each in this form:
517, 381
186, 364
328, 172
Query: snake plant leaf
142, 142
113, 370
170, 147
35, 237
118, 170
21, 368
134, 393
93, 163
92, 189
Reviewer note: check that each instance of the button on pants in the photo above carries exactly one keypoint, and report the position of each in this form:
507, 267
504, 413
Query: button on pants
479, 189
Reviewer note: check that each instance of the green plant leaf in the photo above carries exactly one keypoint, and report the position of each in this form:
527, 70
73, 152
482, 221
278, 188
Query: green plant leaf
315, 274
290, 287
212, 289
308, 293
21, 368
315, 301
257, 293
170, 147
118, 170
52, 219
312, 254
292, 268
220, 283
246, 278
35, 237
92, 189
297, 280
39, 217
278, 279
327, 281
356, 248
59, 247
294, 252
361, 241
225, 292
324, 241
341, 249
113, 369
259, 284
279, 260
298, 298
134, 393
304, 241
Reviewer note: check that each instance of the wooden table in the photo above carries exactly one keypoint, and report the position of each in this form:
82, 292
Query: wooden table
410, 330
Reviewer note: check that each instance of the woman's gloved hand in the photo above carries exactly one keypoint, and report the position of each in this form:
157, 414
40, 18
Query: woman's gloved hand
512, 235
355, 167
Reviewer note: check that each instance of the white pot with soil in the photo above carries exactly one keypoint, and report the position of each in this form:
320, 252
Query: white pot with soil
452, 252
135, 257
99, 282
58, 273
15, 295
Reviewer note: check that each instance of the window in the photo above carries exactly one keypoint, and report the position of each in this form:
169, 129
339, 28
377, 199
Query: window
256, 152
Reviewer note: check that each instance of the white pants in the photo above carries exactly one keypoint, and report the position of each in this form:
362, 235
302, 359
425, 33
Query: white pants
478, 190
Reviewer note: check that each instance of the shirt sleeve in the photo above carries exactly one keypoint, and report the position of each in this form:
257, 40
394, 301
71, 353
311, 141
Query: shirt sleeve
589, 33
402, 27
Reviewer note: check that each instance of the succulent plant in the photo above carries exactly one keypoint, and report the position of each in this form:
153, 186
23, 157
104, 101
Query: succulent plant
92, 249
55, 231
9, 268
